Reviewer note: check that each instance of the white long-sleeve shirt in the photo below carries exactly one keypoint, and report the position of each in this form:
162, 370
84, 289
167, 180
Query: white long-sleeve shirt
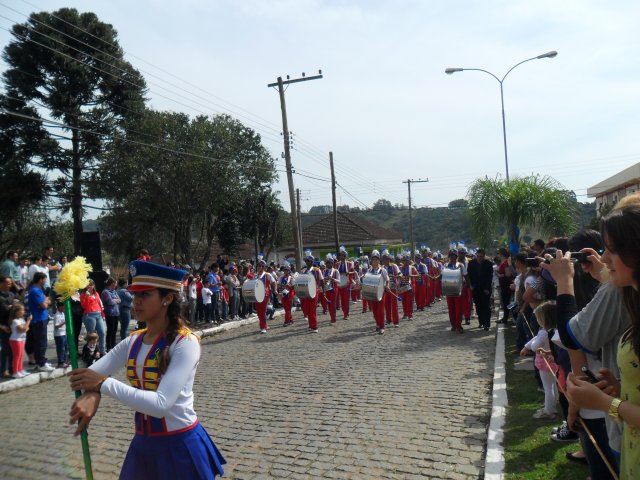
173, 400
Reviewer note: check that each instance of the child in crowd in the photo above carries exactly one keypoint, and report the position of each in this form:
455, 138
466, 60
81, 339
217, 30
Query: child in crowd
545, 314
89, 352
19, 327
206, 301
60, 336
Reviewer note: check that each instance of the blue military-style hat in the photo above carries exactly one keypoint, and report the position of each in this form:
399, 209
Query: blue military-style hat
148, 276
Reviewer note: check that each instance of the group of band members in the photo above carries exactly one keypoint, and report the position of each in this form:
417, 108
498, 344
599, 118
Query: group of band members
338, 285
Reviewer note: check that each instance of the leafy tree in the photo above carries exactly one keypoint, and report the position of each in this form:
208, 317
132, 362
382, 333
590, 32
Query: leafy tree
459, 203
538, 202
79, 79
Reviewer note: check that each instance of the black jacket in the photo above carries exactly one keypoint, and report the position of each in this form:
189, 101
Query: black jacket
480, 274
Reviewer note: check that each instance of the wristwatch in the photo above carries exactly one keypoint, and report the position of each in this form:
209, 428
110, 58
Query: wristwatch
613, 409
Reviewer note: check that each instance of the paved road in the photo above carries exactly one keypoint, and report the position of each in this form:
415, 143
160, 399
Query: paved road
343, 403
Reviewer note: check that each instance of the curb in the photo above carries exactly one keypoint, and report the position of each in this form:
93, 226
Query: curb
494, 461
39, 377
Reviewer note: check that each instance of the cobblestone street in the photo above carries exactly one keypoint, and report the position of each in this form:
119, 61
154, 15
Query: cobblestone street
343, 403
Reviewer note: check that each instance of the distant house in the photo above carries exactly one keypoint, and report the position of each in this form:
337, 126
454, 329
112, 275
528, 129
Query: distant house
354, 231
616, 187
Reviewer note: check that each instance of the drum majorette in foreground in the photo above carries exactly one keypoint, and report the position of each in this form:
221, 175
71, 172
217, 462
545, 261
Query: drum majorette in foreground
160, 363
310, 305
375, 284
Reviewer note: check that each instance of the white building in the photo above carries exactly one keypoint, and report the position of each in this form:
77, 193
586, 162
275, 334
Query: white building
616, 187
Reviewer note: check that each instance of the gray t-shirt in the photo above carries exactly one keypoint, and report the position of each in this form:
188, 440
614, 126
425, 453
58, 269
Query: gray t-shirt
599, 326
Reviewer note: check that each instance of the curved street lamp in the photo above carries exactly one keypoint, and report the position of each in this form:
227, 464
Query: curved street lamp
450, 71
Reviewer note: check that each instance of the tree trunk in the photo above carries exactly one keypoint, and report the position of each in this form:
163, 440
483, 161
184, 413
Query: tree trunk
210, 235
76, 191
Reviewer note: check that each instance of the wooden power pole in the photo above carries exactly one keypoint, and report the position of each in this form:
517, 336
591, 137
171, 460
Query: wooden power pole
297, 234
335, 206
411, 243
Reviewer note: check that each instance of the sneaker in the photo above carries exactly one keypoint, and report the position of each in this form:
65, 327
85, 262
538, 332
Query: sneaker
395, 325
545, 415
25, 373
453, 329
313, 330
45, 368
564, 435
467, 321
460, 330
381, 331
555, 429
17, 375
486, 329
264, 330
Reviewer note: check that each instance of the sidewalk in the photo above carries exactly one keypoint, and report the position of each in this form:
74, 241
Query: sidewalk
201, 329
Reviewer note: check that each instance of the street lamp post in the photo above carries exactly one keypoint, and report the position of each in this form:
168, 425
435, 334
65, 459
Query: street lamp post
450, 71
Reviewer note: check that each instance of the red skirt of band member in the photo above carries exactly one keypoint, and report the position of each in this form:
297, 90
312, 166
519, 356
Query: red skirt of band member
309, 307
391, 307
421, 295
345, 301
261, 310
330, 300
377, 308
407, 304
287, 304
455, 311
468, 298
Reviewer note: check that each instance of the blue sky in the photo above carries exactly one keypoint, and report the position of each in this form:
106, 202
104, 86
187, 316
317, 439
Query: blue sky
385, 106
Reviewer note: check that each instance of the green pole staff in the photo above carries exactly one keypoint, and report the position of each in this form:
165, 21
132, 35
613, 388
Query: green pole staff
73, 355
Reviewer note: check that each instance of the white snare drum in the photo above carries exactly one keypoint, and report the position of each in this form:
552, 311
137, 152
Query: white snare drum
344, 280
305, 285
372, 287
253, 291
451, 282
405, 284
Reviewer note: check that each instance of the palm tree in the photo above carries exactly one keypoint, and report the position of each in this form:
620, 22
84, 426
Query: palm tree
538, 201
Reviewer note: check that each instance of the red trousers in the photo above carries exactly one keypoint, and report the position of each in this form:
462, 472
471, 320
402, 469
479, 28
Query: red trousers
431, 291
355, 295
261, 310
438, 289
455, 311
391, 307
330, 301
287, 304
309, 307
377, 308
364, 305
323, 304
466, 304
407, 304
421, 295
345, 300
17, 349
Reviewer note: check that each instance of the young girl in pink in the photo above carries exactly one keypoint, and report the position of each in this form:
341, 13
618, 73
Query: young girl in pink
19, 327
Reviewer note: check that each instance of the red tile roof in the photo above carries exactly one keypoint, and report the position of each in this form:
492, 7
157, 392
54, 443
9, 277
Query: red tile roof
353, 229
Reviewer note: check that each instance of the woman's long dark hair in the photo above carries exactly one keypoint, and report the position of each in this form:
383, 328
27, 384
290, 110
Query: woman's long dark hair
621, 231
585, 286
176, 323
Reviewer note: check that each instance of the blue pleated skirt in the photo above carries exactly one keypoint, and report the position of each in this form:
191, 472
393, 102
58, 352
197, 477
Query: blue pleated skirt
187, 455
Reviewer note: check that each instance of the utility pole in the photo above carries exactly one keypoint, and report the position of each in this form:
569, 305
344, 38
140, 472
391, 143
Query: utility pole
297, 233
409, 182
299, 225
335, 206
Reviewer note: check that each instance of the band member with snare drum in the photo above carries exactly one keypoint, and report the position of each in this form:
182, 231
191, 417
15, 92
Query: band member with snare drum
310, 305
347, 272
331, 281
377, 307
269, 284
421, 282
409, 275
286, 293
391, 295
467, 296
455, 302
